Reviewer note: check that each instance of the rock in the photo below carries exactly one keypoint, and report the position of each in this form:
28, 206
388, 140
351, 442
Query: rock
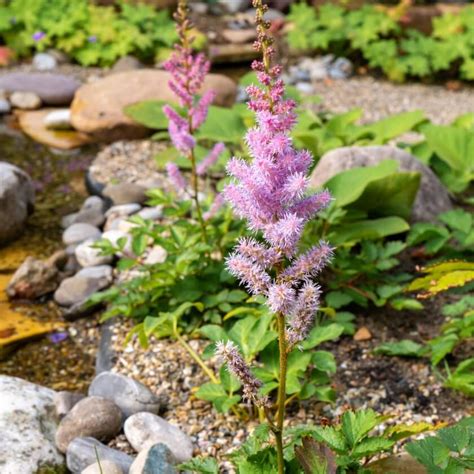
145, 429
341, 68
305, 88
27, 427
52, 89
156, 458
17, 198
90, 216
239, 36
106, 355
25, 100
98, 272
151, 213
104, 467
34, 278
95, 203
44, 62
125, 193
362, 334
64, 401
131, 396
156, 255
78, 288
82, 452
98, 107
234, 6
89, 256
397, 463
5, 106
80, 232
123, 210
199, 8
60, 56
432, 197
92, 416
32, 124
127, 63
58, 119
232, 53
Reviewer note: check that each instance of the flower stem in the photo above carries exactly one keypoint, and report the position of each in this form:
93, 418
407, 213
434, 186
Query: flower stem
282, 346
194, 183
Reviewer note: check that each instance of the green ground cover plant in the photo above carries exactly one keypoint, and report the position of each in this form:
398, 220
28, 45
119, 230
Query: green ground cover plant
371, 34
90, 34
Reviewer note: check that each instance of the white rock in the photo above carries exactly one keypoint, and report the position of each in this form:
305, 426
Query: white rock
5, 106
58, 120
151, 213
25, 100
145, 429
157, 255
113, 236
44, 62
89, 256
27, 427
123, 210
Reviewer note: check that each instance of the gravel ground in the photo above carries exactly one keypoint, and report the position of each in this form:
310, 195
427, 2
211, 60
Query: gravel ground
380, 98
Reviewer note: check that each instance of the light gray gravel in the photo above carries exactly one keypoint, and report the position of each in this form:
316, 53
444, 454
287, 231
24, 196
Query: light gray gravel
380, 98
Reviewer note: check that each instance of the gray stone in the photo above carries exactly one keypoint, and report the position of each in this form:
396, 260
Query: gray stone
82, 452
44, 62
27, 426
52, 89
89, 256
151, 213
64, 401
123, 210
68, 220
79, 232
125, 193
127, 63
305, 88
96, 417
33, 278
17, 198
103, 467
94, 202
145, 429
432, 197
341, 68
58, 120
131, 396
25, 100
5, 106
77, 289
99, 272
90, 216
156, 458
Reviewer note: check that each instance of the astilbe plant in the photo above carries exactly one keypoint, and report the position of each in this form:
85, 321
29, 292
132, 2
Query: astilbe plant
270, 192
188, 71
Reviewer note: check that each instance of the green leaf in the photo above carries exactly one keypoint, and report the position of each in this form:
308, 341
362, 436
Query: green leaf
315, 458
332, 437
404, 348
201, 465
371, 446
321, 334
442, 346
263, 462
355, 425
148, 113
337, 299
228, 380
324, 361
216, 394
222, 125
430, 452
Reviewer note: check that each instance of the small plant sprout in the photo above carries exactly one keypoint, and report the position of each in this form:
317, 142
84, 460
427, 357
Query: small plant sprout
270, 192
188, 72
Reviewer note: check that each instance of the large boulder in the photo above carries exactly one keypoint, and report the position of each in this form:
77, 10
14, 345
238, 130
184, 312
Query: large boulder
97, 108
27, 427
432, 197
52, 89
17, 198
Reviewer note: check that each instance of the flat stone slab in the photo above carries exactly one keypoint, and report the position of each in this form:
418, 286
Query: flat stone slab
52, 89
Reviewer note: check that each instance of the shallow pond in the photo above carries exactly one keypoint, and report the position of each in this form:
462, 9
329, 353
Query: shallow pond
59, 182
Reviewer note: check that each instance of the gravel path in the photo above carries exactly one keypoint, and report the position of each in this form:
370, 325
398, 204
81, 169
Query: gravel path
379, 98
